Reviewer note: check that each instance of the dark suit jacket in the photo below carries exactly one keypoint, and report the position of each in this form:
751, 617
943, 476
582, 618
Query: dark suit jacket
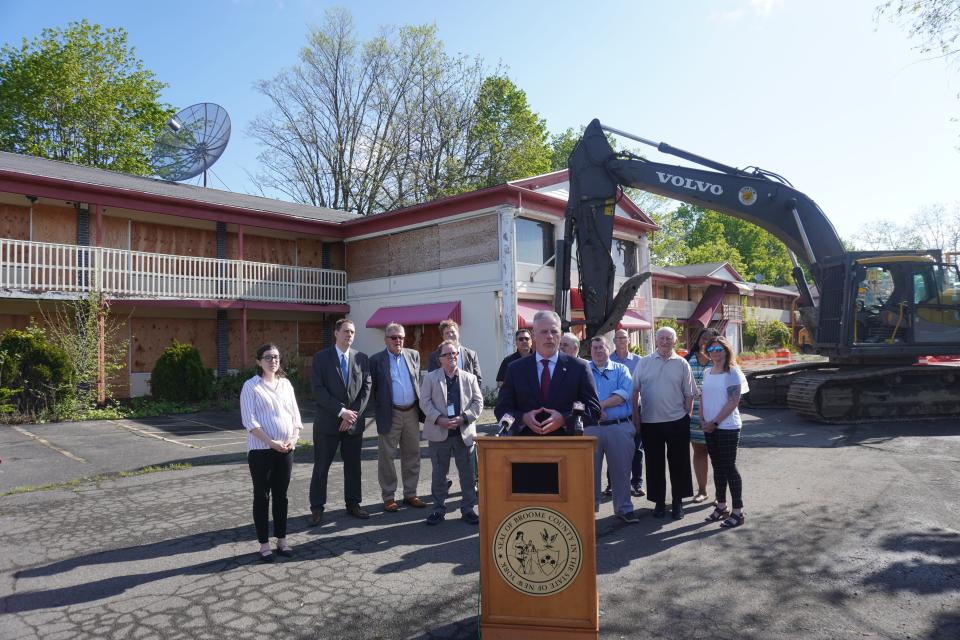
330, 393
382, 391
471, 363
571, 382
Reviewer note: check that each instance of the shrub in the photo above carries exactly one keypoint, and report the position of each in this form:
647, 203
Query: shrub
33, 372
179, 375
778, 334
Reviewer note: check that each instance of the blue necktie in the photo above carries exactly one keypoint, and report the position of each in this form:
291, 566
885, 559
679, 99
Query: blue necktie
343, 369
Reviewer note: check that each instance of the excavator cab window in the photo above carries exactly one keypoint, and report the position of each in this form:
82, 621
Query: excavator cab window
880, 314
936, 314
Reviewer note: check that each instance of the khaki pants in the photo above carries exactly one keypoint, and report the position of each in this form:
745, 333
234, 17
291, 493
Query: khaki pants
404, 436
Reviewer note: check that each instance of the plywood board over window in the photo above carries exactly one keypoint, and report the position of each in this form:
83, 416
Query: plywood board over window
312, 337
14, 222
368, 259
152, 335
269, 250
415, 251
167, 239
116, 232
259, 332
55, 224
471, 241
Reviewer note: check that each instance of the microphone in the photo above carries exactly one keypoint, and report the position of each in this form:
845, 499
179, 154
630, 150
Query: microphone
506, 423
576, 429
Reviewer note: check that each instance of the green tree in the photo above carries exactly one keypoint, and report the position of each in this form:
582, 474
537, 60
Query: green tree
511, 138
561, 146
935, 22
81, 95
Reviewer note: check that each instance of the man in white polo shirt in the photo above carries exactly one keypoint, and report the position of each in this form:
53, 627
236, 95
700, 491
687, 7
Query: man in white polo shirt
663, 388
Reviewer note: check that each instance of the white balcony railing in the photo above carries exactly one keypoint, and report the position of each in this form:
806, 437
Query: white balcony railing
33, 268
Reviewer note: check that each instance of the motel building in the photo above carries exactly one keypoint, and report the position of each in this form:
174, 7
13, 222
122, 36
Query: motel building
228, 272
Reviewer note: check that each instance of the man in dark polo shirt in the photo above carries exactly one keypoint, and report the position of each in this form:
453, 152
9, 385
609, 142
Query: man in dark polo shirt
524, 344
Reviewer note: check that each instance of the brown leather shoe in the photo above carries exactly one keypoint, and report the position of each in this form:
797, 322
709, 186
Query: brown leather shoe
316, 516
414, 501
357, 511
390, 505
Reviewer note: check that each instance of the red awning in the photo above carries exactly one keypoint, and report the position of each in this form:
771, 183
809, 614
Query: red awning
526, 309
633, 321
711, 300
416, 314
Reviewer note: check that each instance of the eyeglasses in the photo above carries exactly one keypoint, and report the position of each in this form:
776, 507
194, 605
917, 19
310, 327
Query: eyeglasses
271, 358
395, 337
715, 348
449, 355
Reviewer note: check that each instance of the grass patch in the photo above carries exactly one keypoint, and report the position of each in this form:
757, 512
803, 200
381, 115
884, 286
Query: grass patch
71, 484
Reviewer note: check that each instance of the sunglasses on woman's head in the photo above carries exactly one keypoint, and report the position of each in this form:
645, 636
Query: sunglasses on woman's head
714, 348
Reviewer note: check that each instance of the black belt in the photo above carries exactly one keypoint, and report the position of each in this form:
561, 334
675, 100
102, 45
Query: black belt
605, 423
409, 407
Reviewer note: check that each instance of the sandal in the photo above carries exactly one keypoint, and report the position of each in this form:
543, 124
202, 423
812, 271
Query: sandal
700, 497
735, 520
718, 514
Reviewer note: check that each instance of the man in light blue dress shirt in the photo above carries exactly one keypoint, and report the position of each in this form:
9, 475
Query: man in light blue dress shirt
615, 431
623, 355
395, 372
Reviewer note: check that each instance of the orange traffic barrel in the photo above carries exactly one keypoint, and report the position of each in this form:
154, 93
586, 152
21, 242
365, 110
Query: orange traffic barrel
783, 356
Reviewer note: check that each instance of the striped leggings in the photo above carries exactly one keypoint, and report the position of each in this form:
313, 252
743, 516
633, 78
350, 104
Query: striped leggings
722, 446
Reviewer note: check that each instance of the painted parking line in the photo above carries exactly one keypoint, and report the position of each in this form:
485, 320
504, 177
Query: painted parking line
48, 444
129, 427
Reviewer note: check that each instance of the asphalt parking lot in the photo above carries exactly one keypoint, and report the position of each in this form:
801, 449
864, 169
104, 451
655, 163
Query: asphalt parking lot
852, 532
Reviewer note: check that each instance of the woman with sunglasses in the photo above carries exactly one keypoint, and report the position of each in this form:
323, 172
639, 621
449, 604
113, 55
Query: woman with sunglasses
270, 414
723, 384
698, 364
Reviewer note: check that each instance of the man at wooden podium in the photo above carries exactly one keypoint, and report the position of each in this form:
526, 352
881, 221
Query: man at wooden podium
539, 390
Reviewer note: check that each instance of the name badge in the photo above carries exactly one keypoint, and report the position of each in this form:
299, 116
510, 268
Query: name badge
450, 411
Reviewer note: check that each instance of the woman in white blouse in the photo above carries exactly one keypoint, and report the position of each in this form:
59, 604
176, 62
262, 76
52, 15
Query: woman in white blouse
272, 420
723, 384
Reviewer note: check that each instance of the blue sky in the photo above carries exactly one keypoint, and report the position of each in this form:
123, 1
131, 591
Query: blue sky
815, 90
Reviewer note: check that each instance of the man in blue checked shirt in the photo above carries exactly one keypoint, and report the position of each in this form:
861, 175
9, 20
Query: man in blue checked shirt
621, 353
615, 430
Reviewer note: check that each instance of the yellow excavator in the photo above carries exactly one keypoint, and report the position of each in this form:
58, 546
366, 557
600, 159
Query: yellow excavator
876, 315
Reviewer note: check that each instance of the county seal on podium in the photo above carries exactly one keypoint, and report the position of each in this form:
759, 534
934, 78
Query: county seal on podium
538, 551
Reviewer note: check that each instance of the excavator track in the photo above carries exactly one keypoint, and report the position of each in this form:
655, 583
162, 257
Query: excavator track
876, 394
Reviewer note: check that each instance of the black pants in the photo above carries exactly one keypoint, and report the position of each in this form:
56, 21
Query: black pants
324, 450
722, 446
270, 471
675, 436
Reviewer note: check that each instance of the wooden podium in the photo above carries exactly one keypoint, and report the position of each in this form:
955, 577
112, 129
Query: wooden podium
538, 568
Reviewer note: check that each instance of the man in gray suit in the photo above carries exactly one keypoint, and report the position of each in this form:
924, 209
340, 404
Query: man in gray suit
341, 388
451, 401
467, 359
395, 372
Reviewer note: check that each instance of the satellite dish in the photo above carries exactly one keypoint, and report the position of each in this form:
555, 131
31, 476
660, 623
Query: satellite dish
194, 139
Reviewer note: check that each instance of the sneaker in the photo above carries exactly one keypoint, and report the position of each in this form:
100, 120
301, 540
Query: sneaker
470, 517
436, 517
607, 493
629, 518
637, 492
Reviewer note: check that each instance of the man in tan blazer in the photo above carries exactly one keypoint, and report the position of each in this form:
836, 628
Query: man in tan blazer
452, 401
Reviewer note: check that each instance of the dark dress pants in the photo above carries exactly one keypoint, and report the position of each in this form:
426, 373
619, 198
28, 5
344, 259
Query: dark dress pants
324, 450
675, 437
270, 471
